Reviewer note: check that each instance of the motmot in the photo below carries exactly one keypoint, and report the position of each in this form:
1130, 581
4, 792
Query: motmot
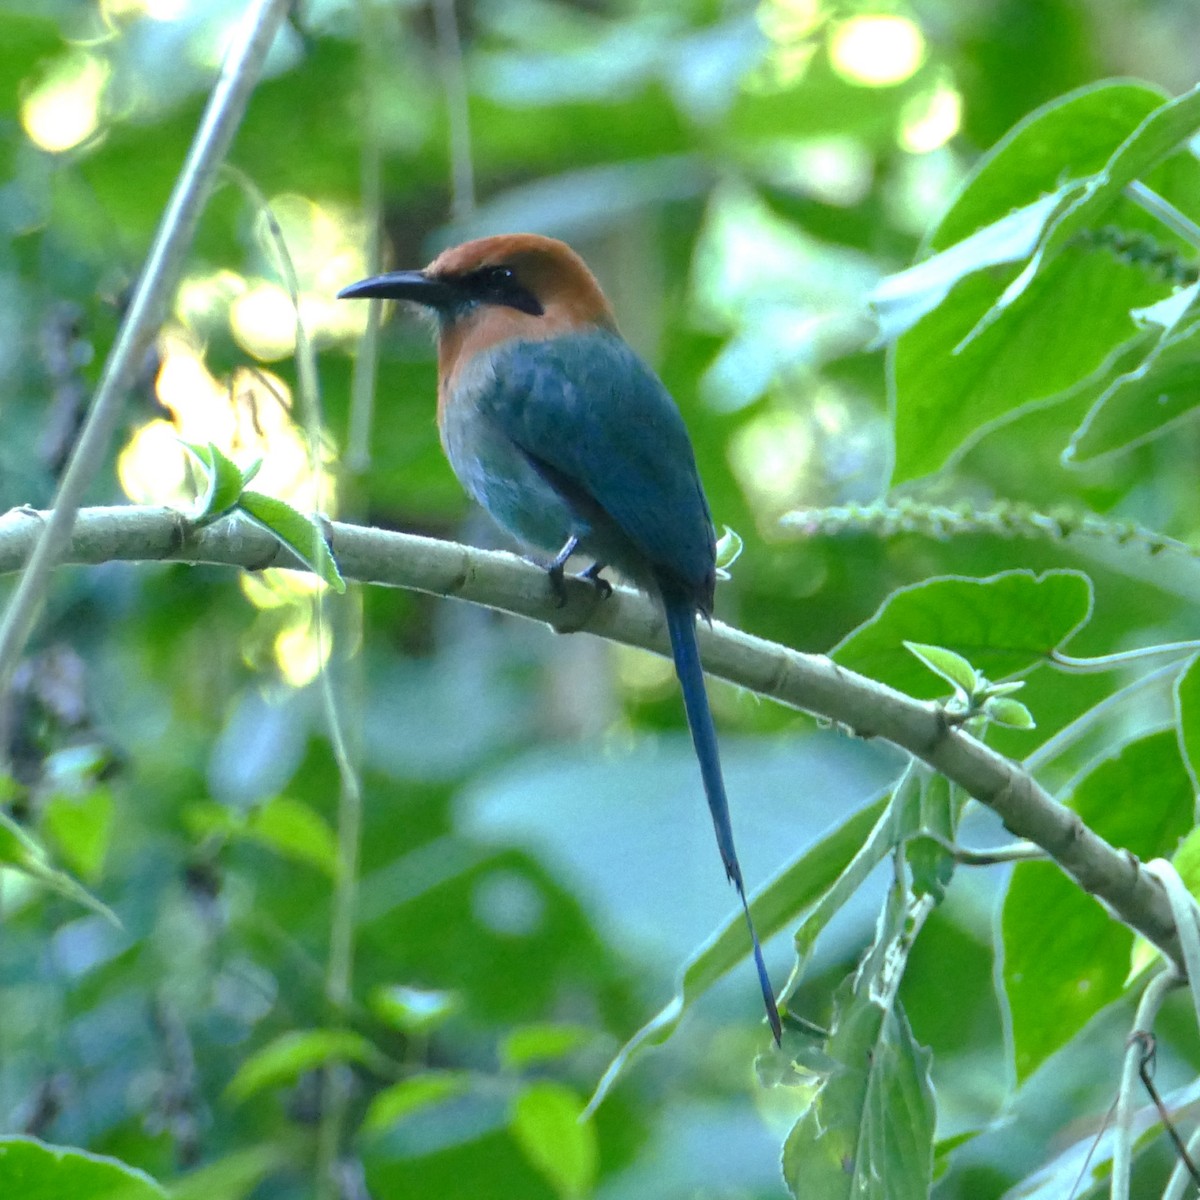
572, 443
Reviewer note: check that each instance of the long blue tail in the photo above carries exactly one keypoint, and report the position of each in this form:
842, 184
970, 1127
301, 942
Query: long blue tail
681, 623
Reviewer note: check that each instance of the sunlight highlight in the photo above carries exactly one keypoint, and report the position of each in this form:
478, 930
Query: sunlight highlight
63, 110
247, 416
772, 459
324, 246
878, 50
930, 121
263, 321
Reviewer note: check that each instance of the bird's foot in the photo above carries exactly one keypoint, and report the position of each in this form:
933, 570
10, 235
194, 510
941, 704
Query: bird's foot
593, 576
554, 573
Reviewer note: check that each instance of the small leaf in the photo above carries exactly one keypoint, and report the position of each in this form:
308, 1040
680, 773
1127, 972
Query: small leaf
300, 535
80, 826
729, 550
223, 481
414, 1010
950, 666
411, 1095
290, 1055
1012, 714
294, 830
22, 853
546, 1125
249, 473
541, 1043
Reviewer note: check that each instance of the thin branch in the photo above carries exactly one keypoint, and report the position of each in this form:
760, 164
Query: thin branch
1141, 1035
1166, 212
458, 113
805, 681
996, 856
373, 63
239, 74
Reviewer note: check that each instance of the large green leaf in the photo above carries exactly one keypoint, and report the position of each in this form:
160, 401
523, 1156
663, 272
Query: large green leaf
949, 386
1001, 625
1065, 958
33, 1170
948, 390
867, 1133
1162, 389
1162, 133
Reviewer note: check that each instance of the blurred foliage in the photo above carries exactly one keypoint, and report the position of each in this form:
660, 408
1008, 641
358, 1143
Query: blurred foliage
186, 996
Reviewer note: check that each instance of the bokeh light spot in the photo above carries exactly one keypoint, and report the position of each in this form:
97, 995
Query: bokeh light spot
929, 121
879, 50
64, 108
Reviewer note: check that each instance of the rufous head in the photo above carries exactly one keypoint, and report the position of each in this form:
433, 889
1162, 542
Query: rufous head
517, 286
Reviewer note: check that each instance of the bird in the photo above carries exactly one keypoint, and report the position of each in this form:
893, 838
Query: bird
573, 444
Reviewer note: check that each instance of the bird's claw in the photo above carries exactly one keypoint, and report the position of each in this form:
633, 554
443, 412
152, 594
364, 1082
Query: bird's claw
557, 585
593, 576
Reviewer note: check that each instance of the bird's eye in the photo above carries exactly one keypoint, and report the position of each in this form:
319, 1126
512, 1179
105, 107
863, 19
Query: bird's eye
499, 285
499, 278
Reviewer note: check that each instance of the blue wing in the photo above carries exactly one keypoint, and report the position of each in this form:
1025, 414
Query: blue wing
585, 406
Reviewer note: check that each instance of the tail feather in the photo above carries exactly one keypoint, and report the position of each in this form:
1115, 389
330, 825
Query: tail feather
681, 623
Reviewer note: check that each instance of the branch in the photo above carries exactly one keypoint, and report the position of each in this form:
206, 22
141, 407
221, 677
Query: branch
509, 584
239, 73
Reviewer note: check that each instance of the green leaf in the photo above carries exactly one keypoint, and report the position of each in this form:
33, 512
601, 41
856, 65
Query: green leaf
729, 549
902, 299
880, 840
290, 1055
949, 390
1187, 861
1003, 624
80, 826
546, 1124
1071, 137
1161, 133
1065, 958
411, 1095
541, 1043
797, 886
296, 831
868, 1132
1161, 390
21, 852
300, 535
223, 478
1187, 719
414, 1010
950, 666
931, 864
1012, 714
33, 1170
232, 1177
